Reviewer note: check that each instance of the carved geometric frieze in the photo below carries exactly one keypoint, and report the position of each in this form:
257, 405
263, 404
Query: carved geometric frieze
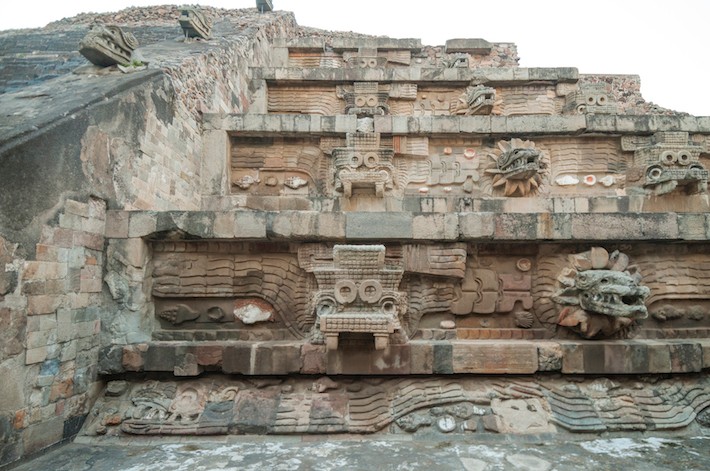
277, 166
363, 164
496, 285
358, 293
666, 162
364, 99
371, 58
439, 405
591, 98
354, 293
211, 285
106, 45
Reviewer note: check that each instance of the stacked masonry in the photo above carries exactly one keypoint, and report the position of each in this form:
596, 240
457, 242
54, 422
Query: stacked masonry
392, 209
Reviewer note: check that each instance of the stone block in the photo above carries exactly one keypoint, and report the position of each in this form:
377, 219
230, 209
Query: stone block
705, 347
692, 226
474, 226
488, 357
659, 357
249, 225
378, 226
209, 355
686, 357
36, 355
516, 226
42, 435
549, 356
442, 358
276, 359
111, 360
186, 365
134, 357
162, 357
43, 304
313, 359
395, 360
619, 226
435, 227
44, 270
421, 358
142, 224
237, 359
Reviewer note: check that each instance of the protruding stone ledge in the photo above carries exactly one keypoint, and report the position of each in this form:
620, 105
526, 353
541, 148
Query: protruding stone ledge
350, 44
634, 357
416, 357
532, 125
468, 45
397, 226
281, 123
639, 124
489, 76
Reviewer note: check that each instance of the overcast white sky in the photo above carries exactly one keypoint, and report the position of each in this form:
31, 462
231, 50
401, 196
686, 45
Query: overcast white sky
666, 43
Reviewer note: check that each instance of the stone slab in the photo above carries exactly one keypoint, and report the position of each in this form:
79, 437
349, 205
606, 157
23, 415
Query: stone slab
468, 45
485, 357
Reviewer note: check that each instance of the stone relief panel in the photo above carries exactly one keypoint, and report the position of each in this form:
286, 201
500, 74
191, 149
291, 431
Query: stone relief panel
581, 293
666, 162
327, 59
435, 405
230, 286
519, 168
358, 293
314, 99
372, 296
448, 165
366, 58
364, 98
585, 166
383, 292
277, 166
364, 165
447, 101
529, 99
590, 98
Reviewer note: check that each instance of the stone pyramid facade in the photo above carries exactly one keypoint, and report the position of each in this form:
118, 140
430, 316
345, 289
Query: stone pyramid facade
284, 231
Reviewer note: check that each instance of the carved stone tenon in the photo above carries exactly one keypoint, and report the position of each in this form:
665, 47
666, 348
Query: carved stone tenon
106, 45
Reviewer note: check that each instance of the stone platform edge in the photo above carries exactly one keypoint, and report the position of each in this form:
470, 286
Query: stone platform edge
408, 226
417, 357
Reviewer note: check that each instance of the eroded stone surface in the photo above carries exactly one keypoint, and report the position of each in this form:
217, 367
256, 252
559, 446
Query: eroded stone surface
436, 405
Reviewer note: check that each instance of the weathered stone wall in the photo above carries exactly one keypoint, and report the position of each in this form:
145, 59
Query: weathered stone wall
77, 144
